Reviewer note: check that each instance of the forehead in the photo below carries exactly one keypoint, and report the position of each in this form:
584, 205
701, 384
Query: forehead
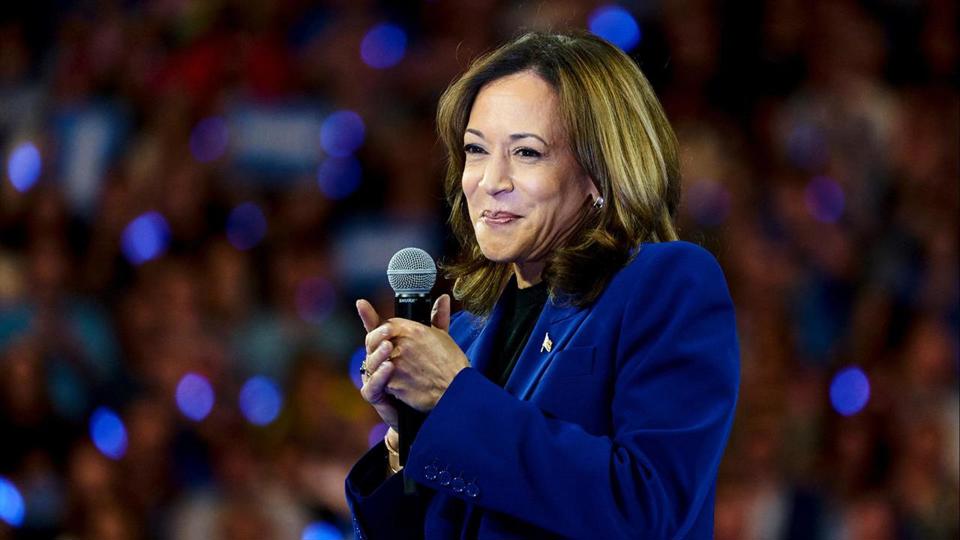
519, 102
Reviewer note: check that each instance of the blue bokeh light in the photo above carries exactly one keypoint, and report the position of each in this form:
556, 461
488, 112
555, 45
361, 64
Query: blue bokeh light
850, 391
260, 400
145, 238
108, 433
321, 530
377, 433
342, 133
356, 359
315, 299
23, 166
209, 139
246, 226
383, 46
12, 507
825, 200
195, 396
339, 177
616, 25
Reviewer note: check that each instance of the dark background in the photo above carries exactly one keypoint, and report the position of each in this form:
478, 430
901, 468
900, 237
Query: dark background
181, 198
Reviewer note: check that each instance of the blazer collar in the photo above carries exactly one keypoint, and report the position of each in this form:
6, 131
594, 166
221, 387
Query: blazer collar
554, 327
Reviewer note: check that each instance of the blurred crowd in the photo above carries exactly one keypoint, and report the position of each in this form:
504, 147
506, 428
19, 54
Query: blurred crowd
195, 192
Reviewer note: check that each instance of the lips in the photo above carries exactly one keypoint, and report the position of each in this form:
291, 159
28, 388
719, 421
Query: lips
498, 217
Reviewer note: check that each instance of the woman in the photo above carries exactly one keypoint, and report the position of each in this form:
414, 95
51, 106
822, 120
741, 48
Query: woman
587, 389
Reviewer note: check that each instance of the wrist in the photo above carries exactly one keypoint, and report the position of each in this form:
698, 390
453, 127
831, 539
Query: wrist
393, 454
392, 439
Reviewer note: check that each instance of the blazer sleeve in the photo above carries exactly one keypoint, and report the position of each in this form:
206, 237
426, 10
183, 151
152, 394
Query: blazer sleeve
380, 509
377, 502
672, 401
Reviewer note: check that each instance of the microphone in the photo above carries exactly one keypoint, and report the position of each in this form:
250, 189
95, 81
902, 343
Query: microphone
411, 273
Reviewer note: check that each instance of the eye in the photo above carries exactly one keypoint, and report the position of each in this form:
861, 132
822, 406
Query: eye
473, 149
527, 152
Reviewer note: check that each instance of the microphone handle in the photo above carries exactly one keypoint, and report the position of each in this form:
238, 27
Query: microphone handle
415, 307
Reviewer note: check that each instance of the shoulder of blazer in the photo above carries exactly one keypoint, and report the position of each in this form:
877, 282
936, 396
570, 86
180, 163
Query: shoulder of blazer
653, 266
663, 273
663, 262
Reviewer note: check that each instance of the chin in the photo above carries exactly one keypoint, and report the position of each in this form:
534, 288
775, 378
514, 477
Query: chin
495, 256
498, 254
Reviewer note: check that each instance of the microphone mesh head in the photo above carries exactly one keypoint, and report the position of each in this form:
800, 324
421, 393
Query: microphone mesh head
411, 270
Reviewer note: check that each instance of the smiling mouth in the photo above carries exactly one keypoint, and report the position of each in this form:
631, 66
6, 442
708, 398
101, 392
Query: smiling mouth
498, 217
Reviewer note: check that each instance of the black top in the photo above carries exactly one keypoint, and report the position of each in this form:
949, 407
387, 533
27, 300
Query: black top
521, 310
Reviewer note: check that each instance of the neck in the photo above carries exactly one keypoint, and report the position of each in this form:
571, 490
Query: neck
528, 273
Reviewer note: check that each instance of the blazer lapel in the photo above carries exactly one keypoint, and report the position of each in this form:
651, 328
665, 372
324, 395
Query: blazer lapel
479, 351
550, 335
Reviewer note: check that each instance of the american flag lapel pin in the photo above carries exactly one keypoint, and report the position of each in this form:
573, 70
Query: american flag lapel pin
547, 344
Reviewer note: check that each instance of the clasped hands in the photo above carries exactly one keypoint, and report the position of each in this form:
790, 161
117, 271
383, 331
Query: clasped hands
409, 361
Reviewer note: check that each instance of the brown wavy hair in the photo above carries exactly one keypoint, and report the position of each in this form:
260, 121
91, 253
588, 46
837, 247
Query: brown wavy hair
619, 135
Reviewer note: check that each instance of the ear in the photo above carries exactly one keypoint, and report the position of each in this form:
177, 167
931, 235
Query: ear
592, 189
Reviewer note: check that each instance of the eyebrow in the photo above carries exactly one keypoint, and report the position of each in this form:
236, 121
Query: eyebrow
513, 136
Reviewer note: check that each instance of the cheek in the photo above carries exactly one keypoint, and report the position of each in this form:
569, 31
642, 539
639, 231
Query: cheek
548, 194
472, 175
559, 201
467, 184
469, 189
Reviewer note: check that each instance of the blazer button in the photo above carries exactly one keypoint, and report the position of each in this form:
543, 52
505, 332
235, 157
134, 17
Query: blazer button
430, 472
445, 478
458, 485
471, 490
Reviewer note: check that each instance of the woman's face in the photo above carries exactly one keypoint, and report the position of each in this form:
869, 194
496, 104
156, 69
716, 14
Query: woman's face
524, 188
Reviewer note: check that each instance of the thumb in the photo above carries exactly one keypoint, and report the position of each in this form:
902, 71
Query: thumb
440, 317
368, 315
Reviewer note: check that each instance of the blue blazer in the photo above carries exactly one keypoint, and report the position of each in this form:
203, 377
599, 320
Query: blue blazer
612, 424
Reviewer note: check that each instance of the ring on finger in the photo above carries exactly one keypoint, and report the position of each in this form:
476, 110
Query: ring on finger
363, 365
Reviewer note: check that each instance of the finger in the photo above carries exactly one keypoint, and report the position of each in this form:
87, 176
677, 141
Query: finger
381, 353
395, 388
384, 332
373, 390
368, 315
440, 317
396, 328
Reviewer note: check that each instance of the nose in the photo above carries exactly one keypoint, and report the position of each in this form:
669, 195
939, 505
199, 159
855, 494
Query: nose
497, 175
